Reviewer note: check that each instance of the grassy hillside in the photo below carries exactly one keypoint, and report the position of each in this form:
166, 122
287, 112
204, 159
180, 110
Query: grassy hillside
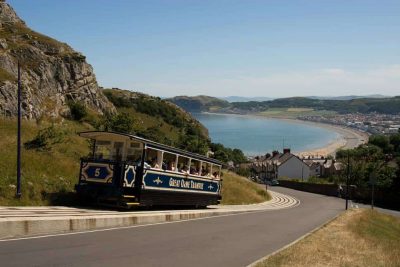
356, 238
47, 175
160, 120
239, 190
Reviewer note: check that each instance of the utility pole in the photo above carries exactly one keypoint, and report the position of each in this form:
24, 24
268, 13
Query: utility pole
372, 181
347, 179
18, 194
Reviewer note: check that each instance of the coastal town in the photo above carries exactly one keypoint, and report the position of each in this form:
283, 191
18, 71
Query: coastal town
373, 123
322, 163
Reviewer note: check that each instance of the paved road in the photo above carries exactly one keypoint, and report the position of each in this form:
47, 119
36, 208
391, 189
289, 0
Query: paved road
235, 240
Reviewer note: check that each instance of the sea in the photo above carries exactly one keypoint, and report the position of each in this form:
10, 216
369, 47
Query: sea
256, 135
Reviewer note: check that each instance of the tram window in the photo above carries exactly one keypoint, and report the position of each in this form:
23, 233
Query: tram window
183, 164
134, 152
102, 150
206, 169
169, 162
216, 169
117, 151
153, 158
195, 167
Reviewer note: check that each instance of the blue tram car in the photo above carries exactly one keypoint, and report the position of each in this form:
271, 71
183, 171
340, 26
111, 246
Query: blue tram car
125, 170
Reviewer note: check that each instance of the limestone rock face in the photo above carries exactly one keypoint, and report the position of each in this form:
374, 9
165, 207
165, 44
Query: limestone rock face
52, 73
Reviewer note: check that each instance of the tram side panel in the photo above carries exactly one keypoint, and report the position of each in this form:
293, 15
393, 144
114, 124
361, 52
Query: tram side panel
119, 184
107, 181
170, 188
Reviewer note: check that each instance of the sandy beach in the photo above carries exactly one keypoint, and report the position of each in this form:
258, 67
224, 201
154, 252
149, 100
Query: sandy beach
349, 138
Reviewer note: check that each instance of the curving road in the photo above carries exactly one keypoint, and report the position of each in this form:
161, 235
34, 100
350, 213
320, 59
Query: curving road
229, 240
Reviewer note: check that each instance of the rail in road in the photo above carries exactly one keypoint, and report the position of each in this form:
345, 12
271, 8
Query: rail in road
278, 201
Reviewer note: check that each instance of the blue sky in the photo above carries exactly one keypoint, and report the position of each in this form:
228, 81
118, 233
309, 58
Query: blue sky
220, 48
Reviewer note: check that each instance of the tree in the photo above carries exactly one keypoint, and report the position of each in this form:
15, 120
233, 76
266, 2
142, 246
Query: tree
121, 122
395, 142
381, 141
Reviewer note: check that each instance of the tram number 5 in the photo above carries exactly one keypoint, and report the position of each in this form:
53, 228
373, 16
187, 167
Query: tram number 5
97, 172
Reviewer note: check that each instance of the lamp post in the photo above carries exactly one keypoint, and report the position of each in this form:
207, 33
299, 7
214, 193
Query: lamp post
18, 194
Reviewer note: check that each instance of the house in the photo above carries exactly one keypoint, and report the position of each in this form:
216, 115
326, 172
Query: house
281, 165
289, 165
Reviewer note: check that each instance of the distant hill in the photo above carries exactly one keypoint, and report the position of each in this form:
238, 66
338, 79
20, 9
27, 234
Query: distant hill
349, 97
245, 99
199, 103
388, 105
363, 105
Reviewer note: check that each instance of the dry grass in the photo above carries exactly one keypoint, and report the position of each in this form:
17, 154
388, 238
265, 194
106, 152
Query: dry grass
239, 190
356, 238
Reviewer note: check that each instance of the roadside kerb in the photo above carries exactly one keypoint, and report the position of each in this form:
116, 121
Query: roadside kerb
24, 226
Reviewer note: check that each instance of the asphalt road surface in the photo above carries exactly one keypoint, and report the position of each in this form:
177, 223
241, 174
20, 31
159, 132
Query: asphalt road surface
234, 240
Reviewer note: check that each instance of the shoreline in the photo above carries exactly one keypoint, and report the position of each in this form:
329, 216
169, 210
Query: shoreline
348, 137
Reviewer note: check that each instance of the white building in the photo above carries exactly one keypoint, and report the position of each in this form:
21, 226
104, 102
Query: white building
283, 166
290, 166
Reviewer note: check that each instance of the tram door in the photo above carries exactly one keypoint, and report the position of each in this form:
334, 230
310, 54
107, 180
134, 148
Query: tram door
117, 156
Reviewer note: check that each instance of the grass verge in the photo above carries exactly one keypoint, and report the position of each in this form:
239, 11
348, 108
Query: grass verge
358, 237
239, 190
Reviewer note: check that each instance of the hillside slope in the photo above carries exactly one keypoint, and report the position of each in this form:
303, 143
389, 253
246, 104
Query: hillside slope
52, 72
160, 120
199, 103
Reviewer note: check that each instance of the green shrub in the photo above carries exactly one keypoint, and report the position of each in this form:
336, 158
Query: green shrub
78, 110
45, 139
121, 123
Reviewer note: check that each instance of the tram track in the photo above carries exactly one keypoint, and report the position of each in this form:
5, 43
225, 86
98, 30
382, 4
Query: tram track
278, 201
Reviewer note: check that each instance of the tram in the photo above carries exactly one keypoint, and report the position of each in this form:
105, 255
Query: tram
125, 170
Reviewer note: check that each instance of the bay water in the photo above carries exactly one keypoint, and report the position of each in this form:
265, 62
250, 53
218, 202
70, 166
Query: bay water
258, 135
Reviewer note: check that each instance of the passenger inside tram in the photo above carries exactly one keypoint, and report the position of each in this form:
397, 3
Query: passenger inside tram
169, 161
154, 163
171, 166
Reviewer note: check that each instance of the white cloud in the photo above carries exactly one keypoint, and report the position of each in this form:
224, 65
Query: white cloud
323, 82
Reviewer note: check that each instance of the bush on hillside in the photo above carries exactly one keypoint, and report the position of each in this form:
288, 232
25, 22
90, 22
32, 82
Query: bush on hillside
121, 123
78, 110
45, 139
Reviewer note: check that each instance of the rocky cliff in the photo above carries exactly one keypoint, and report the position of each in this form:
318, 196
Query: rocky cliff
52, 72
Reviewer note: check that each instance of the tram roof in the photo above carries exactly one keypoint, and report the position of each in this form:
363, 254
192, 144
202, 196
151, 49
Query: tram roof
95, 134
